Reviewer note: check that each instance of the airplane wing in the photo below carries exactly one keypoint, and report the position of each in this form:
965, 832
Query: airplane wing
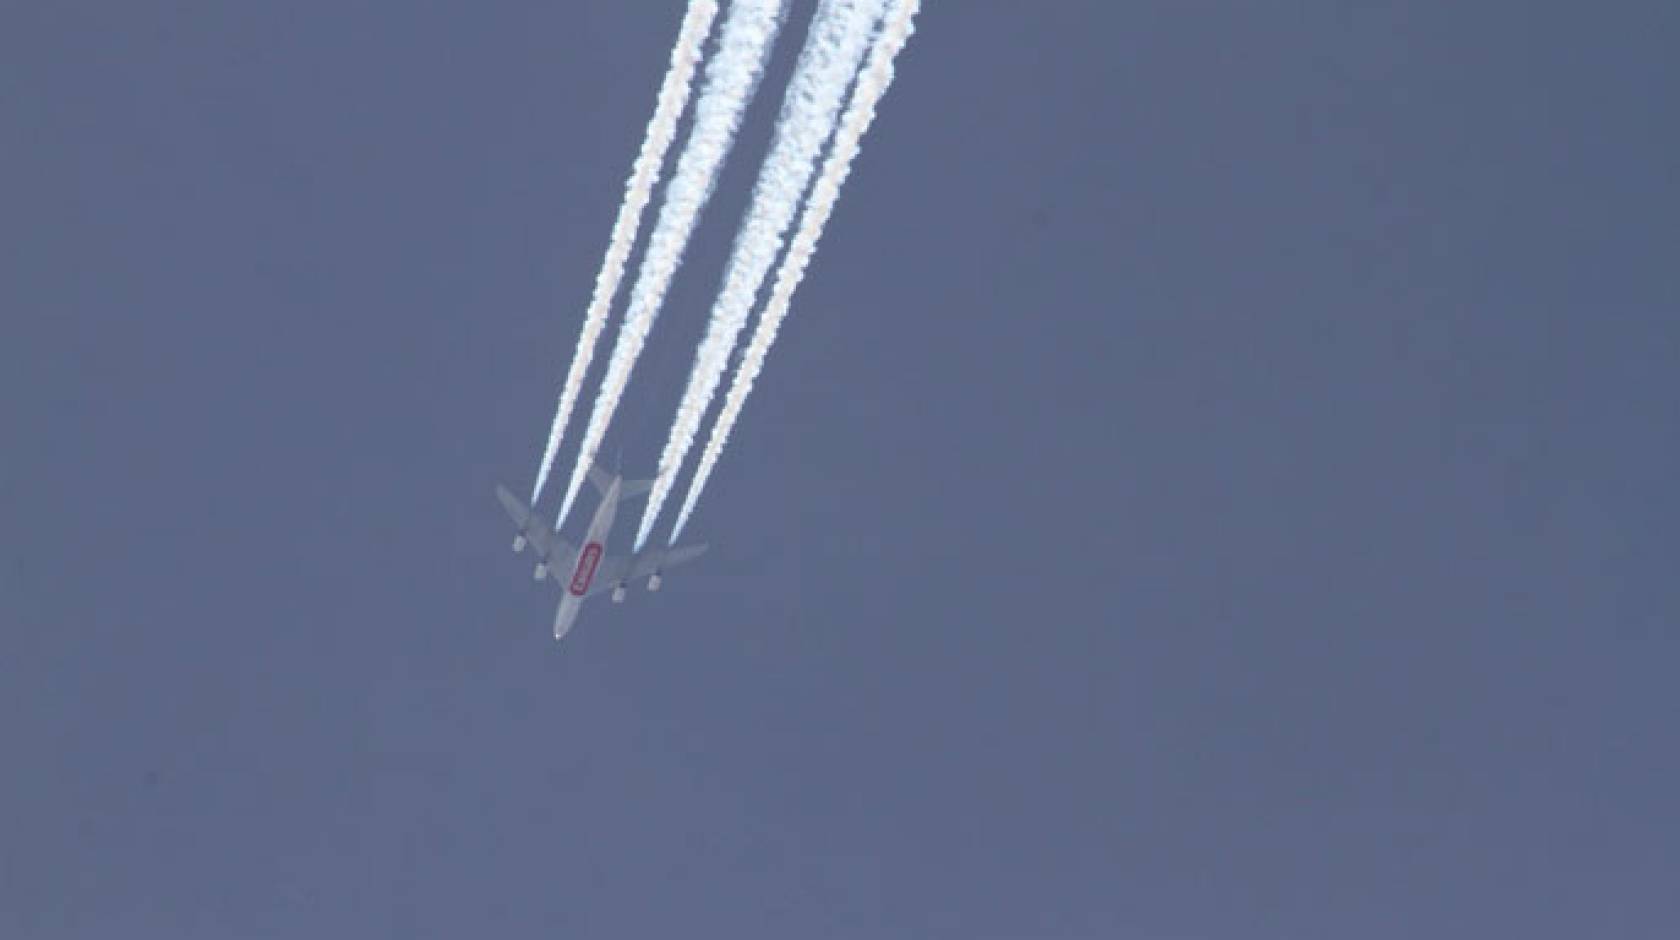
544, 540
620, 569
608, 574
665, 559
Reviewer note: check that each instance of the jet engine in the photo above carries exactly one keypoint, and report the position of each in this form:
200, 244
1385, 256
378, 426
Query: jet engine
618, 594
518, 543
654, 580
541, 572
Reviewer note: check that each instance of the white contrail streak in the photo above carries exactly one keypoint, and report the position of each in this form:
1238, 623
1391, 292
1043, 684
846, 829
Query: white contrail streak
732, 76
877, 75
834, 48
644, 175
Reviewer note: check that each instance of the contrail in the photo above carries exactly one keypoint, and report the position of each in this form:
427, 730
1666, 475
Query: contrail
644, 175
731, 78
877, 75
834, 48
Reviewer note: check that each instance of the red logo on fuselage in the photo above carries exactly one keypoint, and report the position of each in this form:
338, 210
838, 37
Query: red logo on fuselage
585, 573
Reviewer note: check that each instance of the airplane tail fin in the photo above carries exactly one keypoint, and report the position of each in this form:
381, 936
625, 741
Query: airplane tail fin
599, 476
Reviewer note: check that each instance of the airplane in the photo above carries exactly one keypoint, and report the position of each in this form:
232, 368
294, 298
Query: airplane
589, 572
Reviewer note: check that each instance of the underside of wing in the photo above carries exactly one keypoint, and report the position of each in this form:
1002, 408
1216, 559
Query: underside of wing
545, 542
655, 561
608, 574
516, 510
550, 547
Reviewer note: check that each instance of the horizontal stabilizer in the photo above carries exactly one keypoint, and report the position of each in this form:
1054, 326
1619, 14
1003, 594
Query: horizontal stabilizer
603, 482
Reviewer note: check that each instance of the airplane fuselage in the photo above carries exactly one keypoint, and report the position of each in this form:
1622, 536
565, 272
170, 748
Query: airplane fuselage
588, 560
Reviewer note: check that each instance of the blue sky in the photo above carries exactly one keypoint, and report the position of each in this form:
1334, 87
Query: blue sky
1217, 480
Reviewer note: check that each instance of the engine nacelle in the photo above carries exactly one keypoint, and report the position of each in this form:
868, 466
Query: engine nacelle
518, 543
541, 572
618, 594
654, 581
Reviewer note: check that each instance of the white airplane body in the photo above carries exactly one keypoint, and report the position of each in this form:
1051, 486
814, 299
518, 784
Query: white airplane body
586, 570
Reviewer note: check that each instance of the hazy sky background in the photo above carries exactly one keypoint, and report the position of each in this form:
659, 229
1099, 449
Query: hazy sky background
1218, 481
